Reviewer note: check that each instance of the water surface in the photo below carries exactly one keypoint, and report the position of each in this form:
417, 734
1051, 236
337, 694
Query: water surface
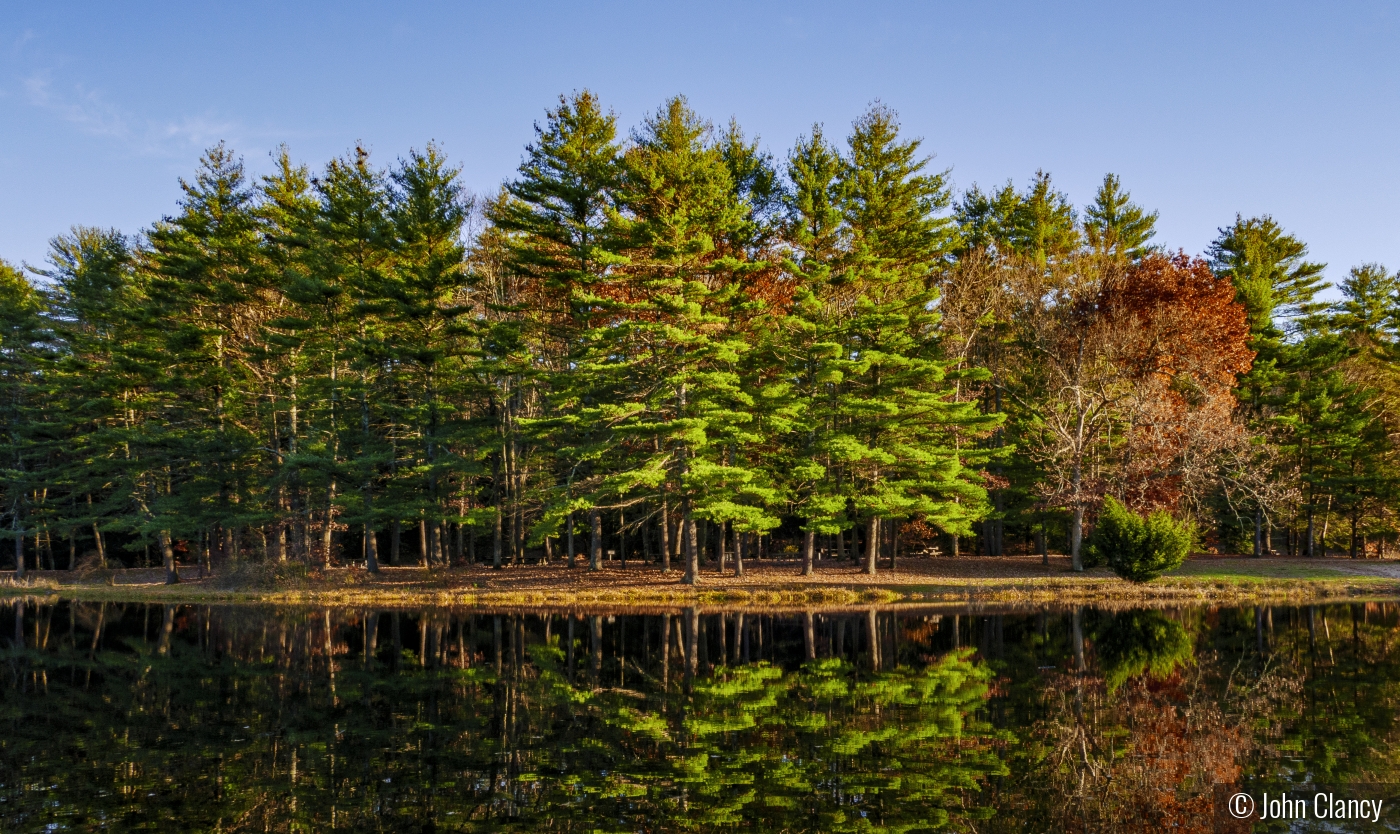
133, 717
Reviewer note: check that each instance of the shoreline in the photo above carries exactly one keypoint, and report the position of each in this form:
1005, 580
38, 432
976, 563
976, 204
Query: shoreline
767, 585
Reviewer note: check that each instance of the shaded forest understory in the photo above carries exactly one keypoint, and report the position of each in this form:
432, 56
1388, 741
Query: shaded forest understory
671, 347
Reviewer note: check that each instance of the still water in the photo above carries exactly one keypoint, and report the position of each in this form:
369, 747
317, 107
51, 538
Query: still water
134, 717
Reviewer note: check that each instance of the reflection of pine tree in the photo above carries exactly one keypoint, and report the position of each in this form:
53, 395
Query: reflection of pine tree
392, 720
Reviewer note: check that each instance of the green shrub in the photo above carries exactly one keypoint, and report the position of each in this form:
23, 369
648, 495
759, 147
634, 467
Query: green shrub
1136, 548
1090, 556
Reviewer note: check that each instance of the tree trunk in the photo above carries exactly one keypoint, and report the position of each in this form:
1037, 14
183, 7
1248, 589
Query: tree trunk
572, 560
19, 544
809, 546
720, 539
692, 550
167, 555
738, 552
328, 535
622, 539
872, 546
280, 542
1311, 540
665, 539
1076, 538
1326, 522
1076, 527
809, 634
371, 549
894, 542
595, 540
1258, 532
496, 540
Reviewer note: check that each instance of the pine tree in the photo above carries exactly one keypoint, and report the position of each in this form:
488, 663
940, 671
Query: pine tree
1366, 479
424, 310
1043, 225
1275, 282
668, 328
290, 216
346, 294
203, 295
557, 219
986, 221
25, 347
94, 299
1277, 288
1115, 225
804, 340
902, 440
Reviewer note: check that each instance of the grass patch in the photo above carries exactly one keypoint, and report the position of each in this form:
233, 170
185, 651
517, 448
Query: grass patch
1203, 569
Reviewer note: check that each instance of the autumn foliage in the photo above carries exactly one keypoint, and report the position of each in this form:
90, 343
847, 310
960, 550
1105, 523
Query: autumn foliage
1185, 342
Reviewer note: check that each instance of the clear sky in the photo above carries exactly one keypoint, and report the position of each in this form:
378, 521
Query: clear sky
1203, 109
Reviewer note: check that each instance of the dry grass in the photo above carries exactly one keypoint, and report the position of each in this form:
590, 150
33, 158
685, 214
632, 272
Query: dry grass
769, 584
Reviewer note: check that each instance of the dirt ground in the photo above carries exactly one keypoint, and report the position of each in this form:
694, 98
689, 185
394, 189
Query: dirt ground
764, 575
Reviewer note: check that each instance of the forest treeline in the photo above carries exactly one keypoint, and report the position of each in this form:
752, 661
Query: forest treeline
669, 345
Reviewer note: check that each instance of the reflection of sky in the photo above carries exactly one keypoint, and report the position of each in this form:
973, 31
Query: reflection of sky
1203, 111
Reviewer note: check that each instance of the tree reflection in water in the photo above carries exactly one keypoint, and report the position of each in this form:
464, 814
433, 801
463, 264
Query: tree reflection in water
148, 717
194, 718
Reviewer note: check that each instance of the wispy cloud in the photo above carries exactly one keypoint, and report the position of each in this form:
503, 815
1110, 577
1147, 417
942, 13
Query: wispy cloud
82, 108
17, 45
88, 111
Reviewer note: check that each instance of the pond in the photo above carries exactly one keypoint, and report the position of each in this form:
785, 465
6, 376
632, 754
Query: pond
136, 717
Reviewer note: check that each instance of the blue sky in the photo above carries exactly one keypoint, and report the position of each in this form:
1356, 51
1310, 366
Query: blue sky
1204, 109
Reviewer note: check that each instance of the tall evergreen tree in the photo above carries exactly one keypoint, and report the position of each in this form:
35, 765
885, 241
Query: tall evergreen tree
424, 309
805, 342
1277, 287
203, 290
1044, 226
1269, 267
24, 345
558, 216
1117, 226
902, 444
95, 297
668, 328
